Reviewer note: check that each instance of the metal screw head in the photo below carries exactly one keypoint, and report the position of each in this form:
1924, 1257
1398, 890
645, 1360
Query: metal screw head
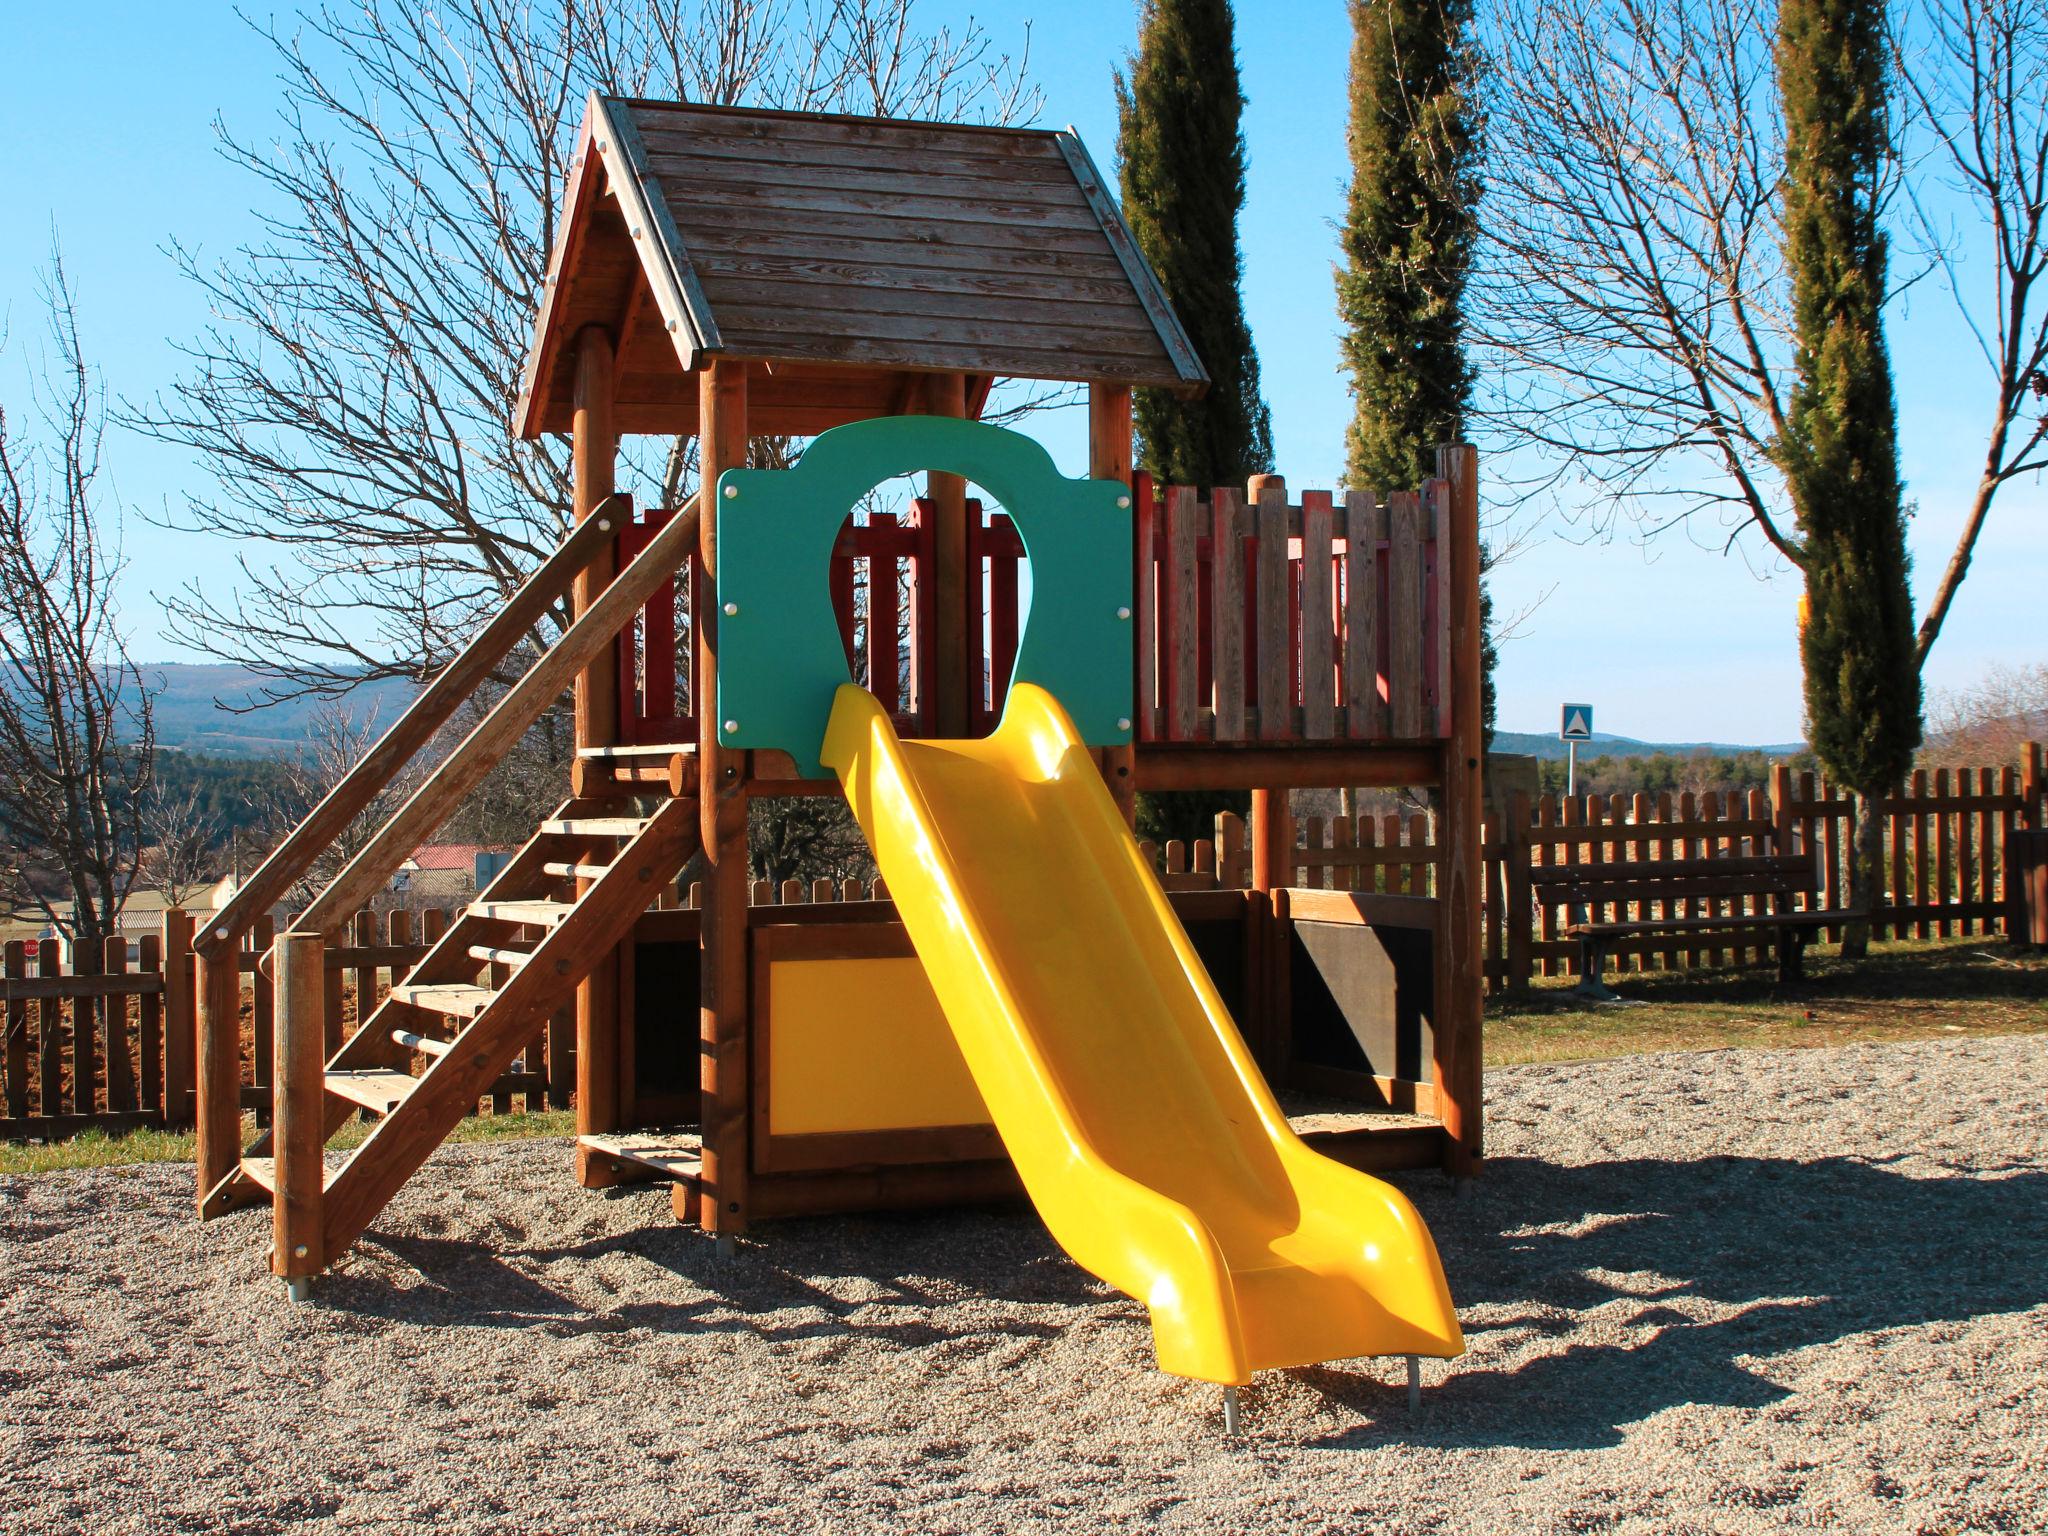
602, 146
1123, 501
1123, 613
637, 232
731, 726
671, 325
300, 1252
732, 608
1123, 723
604, 525
731, 491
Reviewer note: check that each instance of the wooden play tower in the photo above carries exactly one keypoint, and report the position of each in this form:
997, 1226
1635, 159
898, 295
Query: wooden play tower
731, 275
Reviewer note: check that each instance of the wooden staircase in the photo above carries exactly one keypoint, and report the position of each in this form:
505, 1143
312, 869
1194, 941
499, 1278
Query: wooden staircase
474, 1001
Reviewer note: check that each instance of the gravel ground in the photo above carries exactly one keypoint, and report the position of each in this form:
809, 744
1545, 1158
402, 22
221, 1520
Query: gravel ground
1714, 1292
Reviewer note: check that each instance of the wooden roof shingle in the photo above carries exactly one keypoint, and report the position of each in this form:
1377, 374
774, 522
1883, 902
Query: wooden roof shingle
840, 253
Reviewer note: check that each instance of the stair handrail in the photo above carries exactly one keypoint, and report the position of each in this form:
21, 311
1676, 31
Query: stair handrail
525, 702
435, 705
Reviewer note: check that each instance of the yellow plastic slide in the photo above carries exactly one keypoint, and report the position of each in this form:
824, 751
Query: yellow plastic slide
1143, 1131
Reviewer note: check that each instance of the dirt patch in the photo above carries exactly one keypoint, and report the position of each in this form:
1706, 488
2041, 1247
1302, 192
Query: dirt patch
1722, 1292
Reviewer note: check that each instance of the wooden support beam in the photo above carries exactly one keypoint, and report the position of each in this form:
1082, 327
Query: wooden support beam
722, 776
217, 1139
1109, 458
299, 1108
1461, 958
946, 395
594, 467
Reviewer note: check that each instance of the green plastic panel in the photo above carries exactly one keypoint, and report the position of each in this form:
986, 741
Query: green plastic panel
779, 653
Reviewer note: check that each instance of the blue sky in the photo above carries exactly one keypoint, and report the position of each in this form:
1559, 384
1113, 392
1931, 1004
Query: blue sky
108, 124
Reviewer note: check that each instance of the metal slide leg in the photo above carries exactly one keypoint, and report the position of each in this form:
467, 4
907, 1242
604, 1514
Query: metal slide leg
1232, 1424
1414, 1385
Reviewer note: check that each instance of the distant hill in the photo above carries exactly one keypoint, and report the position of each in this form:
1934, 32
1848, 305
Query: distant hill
1541, 746
189, 720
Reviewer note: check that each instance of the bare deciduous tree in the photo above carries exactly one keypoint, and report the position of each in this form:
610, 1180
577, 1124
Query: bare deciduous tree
1978, 72
75, 725
181, 841
353, 397
336, 740
1632, 310
1990, 722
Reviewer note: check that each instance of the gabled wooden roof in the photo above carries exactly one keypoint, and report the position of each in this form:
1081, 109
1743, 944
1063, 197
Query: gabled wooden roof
845, 255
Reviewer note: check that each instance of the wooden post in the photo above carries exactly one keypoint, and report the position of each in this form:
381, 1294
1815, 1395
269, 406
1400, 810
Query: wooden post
217, 1112
1461, 973
1517, 914
723, 1016
594, 463
178, 1017
1109, 458
946, 395
298, 1106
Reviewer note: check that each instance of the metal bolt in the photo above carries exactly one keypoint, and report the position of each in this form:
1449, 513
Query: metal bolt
732, 608
671, 325
221, 934
602, 146
731, 491
1123, 613
1123, 501
637, 233
300, 1251
1123, 723
604, 525
731, 726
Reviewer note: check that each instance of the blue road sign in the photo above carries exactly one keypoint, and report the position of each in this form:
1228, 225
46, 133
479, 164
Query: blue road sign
1576, 723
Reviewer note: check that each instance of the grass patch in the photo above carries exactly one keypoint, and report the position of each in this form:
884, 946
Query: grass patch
105, 1149
1904, 990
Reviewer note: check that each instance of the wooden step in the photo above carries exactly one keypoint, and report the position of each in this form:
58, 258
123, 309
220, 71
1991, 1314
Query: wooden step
596, 826
426, 1045
628, 751
492, 955
540, 913
673, 1155
575, 871
451, 998
378, 1091
262, 1172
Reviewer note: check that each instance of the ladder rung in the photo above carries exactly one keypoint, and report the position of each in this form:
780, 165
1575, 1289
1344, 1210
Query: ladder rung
627, 751
577, 871
491, 955
596, 826
262, 1172
451, 998
425, 1044
379, 1090
537, 912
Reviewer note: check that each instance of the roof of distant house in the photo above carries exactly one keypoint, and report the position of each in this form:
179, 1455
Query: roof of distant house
461, 856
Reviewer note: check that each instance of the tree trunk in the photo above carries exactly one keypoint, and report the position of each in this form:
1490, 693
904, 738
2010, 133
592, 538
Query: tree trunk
1866, 876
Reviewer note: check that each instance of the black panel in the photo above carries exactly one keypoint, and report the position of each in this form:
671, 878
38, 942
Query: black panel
1220, 944
1363, 997
665, 1055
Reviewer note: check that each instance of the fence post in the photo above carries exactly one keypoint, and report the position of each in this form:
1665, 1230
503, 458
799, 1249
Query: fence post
1520, 909
2031, 787
298, 1113
217, 1106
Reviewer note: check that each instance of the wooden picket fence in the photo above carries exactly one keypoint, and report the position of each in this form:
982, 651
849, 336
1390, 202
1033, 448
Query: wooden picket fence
1947, 869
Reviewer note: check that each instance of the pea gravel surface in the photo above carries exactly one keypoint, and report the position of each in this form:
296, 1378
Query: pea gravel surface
1712, 1292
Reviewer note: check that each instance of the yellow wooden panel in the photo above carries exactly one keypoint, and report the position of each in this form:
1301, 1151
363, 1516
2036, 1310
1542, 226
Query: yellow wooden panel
861, 1045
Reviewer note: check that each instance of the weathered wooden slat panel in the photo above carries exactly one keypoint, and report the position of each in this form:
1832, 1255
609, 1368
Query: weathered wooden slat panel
1275, 643
826, 227
689, 197
792, 324
738, 299
1180, 636
1226, 611
1404, 613
953, 356
657, 120
1439, 639
1365, 714
1035, 158
928, 270
1318, 674
915, 188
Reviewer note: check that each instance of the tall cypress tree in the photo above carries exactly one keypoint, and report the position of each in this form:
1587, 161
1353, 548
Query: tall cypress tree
1181, 167
1839, 450
1410, 223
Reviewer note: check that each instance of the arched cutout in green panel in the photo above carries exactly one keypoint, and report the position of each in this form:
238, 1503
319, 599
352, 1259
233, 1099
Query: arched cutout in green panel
779, 655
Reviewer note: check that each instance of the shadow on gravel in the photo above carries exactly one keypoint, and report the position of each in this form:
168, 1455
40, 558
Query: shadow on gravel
1805, 1253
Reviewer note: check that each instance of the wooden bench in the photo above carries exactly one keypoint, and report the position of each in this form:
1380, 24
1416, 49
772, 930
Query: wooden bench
1648, 886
